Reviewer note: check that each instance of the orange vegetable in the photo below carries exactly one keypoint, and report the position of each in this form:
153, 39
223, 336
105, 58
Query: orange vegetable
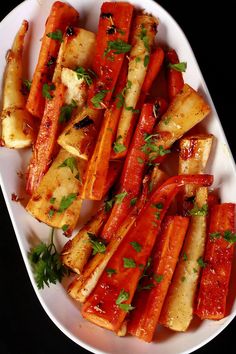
175, 80
45, 145
98, 165
61, 16
214, 283
111, 46
150, 297
132, 174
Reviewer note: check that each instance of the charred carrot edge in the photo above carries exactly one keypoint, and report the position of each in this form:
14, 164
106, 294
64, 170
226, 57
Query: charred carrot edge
61, 16
114, 170
46, 140
154, 66
98, 165
105, 308
175, 80
132, 174
114, 27
214, 283
149, 299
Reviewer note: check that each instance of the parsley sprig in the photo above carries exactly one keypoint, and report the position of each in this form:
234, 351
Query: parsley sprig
46, 264
86, 75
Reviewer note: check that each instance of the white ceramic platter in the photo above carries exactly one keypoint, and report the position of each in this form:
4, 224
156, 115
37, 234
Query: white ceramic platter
63, 311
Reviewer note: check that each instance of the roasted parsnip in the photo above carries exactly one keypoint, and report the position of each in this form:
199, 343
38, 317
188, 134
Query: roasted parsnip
76, 50
17, 123
194, 154
79, 136
186, 110
144, 31
77, 251
56, 201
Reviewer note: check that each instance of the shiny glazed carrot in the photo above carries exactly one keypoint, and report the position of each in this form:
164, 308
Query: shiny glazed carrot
214, 283
175, 80
45, 144
61, 16
111, 46
150, 297
98, 164
132, 175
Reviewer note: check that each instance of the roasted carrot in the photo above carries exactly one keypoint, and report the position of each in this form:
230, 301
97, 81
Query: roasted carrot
111, 299
153, 287
175, 80
132, 174
113, 172
61, 16
98, 164
45, 144
214, 283
111, 46
154, 67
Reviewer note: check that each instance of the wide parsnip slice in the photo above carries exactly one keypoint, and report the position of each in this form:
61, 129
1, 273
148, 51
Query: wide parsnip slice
17, 123
186, 110
194, 154
56, 201
144, 31
77, 251
76, 50
79, 136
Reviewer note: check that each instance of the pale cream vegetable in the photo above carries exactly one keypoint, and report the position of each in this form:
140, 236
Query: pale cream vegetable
17, 122
62, 182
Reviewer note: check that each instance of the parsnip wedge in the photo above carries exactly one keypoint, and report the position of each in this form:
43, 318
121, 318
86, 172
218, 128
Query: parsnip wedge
77, 49
143, 35
77, 251
17, 122
177, 311
76, 88
186, 110
80, 134
56, 202
194, 154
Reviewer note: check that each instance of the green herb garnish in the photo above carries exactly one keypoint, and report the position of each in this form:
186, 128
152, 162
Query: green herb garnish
46, 264
197, 211
179, 66
136, 246
66, 111
97, 244
46, 91
129, 263
57, 35
70, 162
66, 201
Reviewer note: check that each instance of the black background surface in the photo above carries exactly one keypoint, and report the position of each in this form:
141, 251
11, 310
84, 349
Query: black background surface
26, 328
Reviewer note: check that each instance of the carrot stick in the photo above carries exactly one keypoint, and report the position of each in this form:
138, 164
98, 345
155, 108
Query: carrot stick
150, 298
61, 16
98, 165
111, 299
175, 80
132, 174
154, 67
114, 169
46, 140
214, 283
111, 46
